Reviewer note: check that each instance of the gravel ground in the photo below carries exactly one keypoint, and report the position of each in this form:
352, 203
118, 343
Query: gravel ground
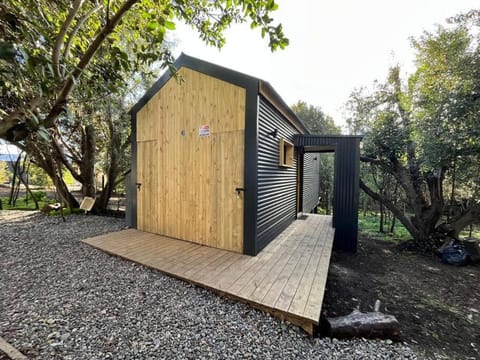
61, 299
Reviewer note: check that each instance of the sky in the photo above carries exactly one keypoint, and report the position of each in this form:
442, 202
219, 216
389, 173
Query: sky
335, 46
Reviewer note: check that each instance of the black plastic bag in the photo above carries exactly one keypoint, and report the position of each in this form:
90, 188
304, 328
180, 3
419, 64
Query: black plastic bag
454, 255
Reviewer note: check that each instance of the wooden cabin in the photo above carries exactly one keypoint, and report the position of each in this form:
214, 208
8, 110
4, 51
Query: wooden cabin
215, 161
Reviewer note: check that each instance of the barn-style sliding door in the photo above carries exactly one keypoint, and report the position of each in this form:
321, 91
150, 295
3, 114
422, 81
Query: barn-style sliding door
190, 160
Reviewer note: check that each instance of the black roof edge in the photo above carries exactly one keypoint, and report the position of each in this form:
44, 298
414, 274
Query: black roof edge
268, 88
205, 67
222, 73
333, 136
300, 139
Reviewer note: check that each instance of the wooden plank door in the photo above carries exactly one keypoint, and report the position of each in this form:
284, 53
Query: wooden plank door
227, 202
147, 189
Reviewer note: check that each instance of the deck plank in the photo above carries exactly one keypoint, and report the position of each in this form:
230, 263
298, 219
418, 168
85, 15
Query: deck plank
294, 283
299, 301
286, 279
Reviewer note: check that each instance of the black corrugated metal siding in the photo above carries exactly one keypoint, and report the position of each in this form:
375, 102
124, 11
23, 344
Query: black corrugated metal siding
311, 181
346, 192
131, 205
276, 192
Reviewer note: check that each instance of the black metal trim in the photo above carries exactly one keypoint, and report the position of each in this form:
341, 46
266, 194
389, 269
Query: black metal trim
204, 67
131, 206
267, 90
300, 168
225, 74
251, 171
346, 183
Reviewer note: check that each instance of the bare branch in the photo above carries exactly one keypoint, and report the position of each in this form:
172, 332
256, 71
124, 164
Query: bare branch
390, 206
75, 155
61, 156
77, 27
61, 101
57, 47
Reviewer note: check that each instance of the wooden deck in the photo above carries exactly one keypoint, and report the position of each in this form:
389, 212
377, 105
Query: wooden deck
287, 278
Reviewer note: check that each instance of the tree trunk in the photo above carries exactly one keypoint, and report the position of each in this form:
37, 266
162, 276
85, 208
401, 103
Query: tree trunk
87, 166
12, 198
64, 193
54, 170
463, 220
327, 203
392, 226
381, 230
27, 186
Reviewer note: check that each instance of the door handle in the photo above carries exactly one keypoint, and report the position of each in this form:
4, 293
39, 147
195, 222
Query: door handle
238, 190
139, 185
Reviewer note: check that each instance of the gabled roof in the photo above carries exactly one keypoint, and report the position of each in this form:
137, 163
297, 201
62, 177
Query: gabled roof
228, 75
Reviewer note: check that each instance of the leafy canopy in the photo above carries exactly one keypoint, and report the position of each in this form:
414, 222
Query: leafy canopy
48, 47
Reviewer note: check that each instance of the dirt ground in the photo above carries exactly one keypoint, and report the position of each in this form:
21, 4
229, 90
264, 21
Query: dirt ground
437, 305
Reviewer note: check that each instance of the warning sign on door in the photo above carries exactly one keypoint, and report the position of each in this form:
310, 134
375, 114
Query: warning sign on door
204, 130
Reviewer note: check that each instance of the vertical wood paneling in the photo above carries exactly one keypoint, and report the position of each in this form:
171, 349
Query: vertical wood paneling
189, 181
147, 204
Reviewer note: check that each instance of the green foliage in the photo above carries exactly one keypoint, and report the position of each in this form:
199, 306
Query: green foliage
38, 177
64, 63
315, 119
23, 204
446, 90
68, 178
475, 233
47, 48
39, 195
320, 123
66, 212
421, 148
368, 225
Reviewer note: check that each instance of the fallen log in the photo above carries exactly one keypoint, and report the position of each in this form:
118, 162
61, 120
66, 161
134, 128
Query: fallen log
367, 325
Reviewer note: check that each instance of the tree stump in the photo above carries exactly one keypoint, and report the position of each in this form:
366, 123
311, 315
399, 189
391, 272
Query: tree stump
366, 325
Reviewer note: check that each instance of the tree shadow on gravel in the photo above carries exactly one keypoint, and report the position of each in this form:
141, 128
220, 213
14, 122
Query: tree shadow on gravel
437, 305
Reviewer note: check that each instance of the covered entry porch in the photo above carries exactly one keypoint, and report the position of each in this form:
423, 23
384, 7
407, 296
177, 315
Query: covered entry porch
346, 149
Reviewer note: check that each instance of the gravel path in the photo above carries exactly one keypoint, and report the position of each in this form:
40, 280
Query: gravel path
61, 299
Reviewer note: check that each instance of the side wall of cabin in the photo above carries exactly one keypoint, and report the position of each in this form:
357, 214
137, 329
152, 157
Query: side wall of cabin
276, 186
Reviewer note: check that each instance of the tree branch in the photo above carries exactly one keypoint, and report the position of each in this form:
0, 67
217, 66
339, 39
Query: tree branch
75, 155
57, 47
84, 61
77, 27
460, 222
62, 158
390, 206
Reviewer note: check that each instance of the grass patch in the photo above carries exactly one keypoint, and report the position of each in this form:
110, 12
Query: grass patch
475, 232
23, 204
66, 212
370, 224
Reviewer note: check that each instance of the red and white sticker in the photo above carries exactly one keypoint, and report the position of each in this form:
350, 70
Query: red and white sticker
204, 130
